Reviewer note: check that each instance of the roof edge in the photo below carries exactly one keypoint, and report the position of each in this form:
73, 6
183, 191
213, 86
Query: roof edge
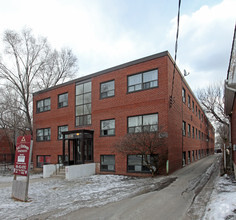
121, 66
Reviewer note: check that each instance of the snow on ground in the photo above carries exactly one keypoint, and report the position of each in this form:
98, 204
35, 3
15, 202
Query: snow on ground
222, 204
62, 196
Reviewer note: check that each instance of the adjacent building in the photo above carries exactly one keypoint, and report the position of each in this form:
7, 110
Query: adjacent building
79, 121
230, 99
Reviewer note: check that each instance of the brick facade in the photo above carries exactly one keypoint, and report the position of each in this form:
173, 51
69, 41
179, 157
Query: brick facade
125, 104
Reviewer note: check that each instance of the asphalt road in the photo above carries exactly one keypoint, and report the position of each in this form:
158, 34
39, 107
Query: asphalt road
171, 203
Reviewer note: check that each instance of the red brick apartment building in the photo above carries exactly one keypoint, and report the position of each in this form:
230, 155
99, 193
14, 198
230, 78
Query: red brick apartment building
95, 111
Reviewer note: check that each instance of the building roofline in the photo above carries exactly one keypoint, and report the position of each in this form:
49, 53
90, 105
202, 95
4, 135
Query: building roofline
232, 50
121, 66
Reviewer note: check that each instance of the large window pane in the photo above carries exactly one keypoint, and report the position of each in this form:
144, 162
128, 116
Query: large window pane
108, 127
83, 104
150, 76
143, 123
107, 89
79, 89
107, 163
87, 87
143, 80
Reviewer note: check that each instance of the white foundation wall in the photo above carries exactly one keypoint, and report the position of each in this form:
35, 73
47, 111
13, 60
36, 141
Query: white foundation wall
82, 170
49, 169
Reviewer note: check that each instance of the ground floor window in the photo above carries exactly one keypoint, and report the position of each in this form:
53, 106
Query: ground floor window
107, 163
184, 158
136, 163
43, 160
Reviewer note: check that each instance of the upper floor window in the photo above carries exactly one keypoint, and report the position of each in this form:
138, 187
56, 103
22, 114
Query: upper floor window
184, 128
189, 102
192, 132
60, 130
83, 104
193, 106
43, 105
189, 130
108, 127
43, 134
107, 89
143, 123
143, 81
62, 100
183, 95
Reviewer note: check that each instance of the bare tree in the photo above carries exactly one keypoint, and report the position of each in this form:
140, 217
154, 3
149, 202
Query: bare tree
149, 144
212, 102
29, 64
12, 119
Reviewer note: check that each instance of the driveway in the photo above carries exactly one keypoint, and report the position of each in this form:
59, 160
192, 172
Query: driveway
172, 202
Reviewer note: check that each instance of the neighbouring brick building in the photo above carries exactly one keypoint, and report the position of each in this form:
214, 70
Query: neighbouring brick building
6, 147
230, 99
94, 111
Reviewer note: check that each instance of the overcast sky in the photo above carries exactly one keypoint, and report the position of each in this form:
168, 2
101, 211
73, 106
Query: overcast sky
106, 33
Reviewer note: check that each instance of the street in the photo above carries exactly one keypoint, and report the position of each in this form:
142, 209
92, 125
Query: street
172, 202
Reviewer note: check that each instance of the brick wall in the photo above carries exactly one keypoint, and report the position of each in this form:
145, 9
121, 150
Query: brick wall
119, 107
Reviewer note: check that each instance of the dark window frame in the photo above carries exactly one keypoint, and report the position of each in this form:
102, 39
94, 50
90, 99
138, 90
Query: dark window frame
45, 107
189, 130
184, 128
113, 129
142, 83
189, 102
108, 96
105, 167
131, 168
142, 127
83, 119
44, 160
43, 130
59, 103
59, 132
183, 95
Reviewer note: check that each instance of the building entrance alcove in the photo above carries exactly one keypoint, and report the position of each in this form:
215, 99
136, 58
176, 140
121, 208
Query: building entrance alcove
77, 147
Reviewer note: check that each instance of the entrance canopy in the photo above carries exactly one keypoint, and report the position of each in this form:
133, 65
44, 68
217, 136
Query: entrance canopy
77, 147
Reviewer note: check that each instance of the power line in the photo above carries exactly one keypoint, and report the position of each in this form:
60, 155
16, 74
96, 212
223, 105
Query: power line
176, 49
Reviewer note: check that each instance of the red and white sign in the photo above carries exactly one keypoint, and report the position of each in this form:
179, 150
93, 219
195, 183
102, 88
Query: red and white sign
22, 155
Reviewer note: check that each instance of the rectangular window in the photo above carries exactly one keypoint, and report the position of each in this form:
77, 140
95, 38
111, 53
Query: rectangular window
83, 104
189, 155
43, 105
107, 163
143, 123
189, 130
196, 110
43, 160
136, 163
193, 106
196, 133
107, 89
192, 132
141, 81
43, 134
62, 100
108, 127
189, 101
183, 95
60, 130
184, 128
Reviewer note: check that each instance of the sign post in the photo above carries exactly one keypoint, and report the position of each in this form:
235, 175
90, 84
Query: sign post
22, 167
